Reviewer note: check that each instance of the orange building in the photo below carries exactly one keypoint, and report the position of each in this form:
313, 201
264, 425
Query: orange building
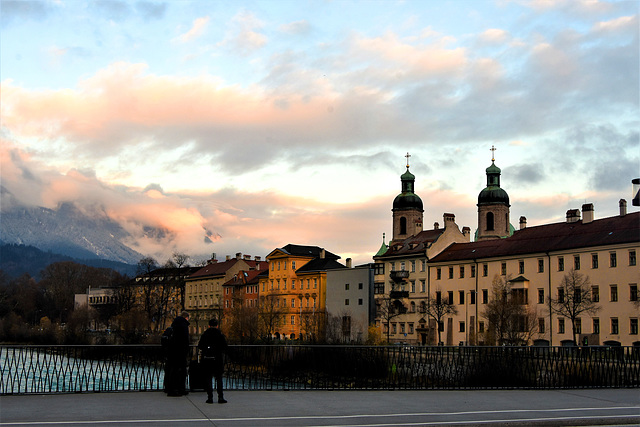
293, 295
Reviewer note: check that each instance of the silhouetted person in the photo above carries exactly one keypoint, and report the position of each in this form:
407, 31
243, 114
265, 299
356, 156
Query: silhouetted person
213, 344
175, 375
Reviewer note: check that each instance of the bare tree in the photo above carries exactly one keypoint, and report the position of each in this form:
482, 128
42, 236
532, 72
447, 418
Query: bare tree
438, 309
508, 315
574, 299
270, 314
145, 267
387, 309
180, 259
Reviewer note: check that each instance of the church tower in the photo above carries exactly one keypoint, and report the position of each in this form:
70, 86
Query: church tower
407, 208
493, 207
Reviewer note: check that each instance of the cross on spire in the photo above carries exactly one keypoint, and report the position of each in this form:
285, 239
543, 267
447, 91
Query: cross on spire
407, 156
493, 153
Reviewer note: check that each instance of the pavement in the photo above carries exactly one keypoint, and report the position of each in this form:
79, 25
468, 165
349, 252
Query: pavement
328, 408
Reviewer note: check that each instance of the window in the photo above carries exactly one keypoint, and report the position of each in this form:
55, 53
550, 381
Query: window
578, 325
402, 266
560, 295
403, 227
346, 286
540, 266
285, 265
315, 283
346, 301
521, 267
472, 297
485, 270
480, 326
490, 221
594, 260
438, 273
413, 266
423, 265
461, 297
615, 330
633, 292
596, 325
560, 263
438, 297
423, 285
293, 303
378, 268
576, 262
462, 326
473, 271
293, 320
503, 268
450, 295
293, 265
378, 288
450, 272
632, 258
595, 293
284, 282
412, 308
293, 283
633, 326
360, 302
402, 328
485, 296
541, 325
410, 328
540, 295
561, 326
613, 259
462, 271
613, 293
360, 286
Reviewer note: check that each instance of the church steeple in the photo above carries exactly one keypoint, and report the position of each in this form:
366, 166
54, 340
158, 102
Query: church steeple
493, 206
407, 208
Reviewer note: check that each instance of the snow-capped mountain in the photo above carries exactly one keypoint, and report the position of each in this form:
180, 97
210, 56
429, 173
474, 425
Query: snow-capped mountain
65, 230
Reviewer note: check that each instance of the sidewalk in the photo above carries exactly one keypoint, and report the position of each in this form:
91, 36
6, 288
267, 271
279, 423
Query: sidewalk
328, 408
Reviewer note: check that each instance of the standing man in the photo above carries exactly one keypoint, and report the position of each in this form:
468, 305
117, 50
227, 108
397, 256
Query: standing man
213, 344
177, 357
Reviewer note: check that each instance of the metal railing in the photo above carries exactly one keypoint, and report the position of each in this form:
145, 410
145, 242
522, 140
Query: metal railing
63, 369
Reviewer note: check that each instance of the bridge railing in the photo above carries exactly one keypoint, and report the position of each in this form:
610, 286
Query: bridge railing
67, 369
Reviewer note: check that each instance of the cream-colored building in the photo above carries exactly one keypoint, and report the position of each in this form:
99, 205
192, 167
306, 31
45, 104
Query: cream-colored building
204, 298
533, 260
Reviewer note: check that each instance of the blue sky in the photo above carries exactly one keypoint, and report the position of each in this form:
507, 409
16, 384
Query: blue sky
264, 123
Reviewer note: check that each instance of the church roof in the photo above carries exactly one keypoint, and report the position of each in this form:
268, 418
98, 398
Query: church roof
304, 251
549, 238
417, 244
319, 264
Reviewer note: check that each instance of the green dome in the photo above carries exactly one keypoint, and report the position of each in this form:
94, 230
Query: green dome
407, 199
492, 195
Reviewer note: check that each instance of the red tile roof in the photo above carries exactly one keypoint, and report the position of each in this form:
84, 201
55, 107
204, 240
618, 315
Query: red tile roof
549, 238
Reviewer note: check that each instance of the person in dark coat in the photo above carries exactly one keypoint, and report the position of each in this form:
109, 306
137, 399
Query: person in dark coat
177, 357
213, 344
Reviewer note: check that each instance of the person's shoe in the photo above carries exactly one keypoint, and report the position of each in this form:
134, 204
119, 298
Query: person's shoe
209, 400
221, 400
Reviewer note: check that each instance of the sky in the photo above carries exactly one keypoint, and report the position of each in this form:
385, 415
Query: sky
243, 126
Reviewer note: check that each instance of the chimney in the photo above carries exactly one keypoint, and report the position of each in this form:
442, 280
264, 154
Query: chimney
247, 257
623, 207
436, 226
587, 213
257, 258
449, 219
349, 263
322, 253
573, 215
228, 257
466, 231
239, 255
523, 223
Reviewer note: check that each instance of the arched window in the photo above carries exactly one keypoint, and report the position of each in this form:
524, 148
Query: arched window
490, 221
403, 225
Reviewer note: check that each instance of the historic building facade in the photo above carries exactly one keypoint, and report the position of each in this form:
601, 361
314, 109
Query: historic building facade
432, 266
293, 295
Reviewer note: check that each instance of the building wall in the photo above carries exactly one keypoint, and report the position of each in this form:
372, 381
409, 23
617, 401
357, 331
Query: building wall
350, 306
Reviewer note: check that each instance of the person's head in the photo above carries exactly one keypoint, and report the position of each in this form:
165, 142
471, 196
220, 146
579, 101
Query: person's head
185, 314
213, 323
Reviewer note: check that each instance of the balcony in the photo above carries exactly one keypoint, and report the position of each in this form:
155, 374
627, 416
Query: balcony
398, 294
398, 276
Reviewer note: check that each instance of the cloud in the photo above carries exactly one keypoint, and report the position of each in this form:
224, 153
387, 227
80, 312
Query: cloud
301, 27
243, 36
197, 29
151, 10
20, 10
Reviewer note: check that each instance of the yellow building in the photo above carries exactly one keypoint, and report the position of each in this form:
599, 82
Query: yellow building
204, 297
421, 267
292, 297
